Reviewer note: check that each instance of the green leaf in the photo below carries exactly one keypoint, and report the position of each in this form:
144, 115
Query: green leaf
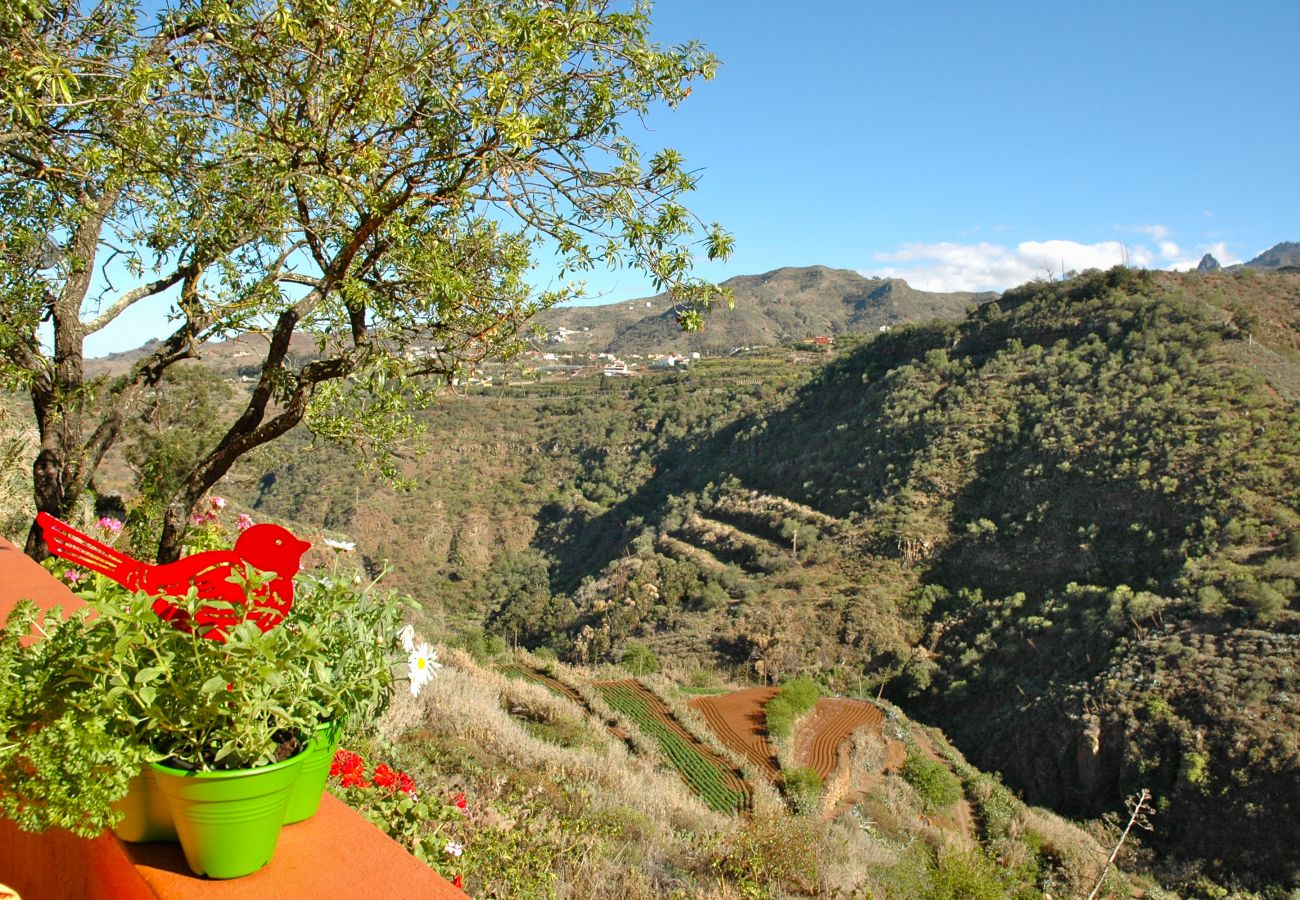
144, 676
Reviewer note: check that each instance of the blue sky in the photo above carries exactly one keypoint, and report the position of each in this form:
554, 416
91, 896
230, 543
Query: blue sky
975, 145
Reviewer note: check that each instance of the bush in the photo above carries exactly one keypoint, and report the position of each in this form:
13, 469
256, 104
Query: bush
767, 854
797, 696
803, 785
639, 659
937, 787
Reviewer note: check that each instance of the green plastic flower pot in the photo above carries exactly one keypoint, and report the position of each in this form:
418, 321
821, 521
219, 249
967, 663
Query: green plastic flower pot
229, 822
146, 815
316, 761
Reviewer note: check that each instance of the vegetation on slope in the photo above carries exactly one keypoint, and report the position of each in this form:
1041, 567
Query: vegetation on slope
796, 697
1064, 528
546, 819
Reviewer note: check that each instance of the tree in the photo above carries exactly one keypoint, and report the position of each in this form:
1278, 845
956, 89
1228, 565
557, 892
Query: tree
375, 176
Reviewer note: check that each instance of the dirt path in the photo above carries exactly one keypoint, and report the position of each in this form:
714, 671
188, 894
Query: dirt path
961, 818
739, 722
818, 742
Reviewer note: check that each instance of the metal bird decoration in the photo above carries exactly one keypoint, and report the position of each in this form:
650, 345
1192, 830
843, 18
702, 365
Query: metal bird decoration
267, 547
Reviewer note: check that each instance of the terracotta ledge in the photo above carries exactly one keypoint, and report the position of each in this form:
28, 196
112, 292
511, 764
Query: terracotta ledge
336, 853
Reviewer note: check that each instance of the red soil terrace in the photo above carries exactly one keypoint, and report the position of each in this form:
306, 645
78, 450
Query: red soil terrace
818, 742
739, 722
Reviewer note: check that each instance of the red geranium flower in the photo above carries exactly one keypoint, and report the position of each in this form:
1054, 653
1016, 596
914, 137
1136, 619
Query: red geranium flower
405, 783
460, 801
355, 778
458, 882
345, 762
385, 777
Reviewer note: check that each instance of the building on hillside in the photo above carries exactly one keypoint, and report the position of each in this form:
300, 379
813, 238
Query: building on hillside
671, 361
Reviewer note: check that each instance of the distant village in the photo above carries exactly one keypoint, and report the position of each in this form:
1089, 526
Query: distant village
550, 360
544, 364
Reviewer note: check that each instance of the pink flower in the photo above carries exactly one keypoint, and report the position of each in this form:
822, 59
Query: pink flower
217, 502
244, 522
110, 525
203, 518
74, 575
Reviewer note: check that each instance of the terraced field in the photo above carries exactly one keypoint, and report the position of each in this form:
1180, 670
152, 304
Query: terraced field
709, 775
818, 742
514, 670
739, 722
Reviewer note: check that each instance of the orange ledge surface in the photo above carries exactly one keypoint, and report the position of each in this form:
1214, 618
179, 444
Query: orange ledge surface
336, 853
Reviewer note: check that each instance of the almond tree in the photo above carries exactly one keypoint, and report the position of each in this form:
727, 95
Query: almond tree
378, 175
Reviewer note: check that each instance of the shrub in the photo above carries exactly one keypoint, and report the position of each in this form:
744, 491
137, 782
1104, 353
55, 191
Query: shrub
803, 785
797, 696
937, 787
766, 854
639, 659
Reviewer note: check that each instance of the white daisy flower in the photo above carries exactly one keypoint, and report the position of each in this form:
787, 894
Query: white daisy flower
407, 636
422, 666
341, 546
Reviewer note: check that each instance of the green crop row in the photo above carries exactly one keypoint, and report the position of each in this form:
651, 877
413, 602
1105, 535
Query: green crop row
704, 776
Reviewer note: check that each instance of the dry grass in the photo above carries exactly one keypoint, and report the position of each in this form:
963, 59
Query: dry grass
469, 703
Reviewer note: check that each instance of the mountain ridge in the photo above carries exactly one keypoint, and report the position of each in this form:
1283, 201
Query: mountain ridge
786, 304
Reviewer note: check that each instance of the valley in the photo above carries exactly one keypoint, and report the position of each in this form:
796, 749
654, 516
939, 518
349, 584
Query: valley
1058, 527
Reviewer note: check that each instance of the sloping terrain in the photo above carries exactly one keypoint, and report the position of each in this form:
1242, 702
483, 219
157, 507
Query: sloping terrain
738, 719
716, 781
1064, 527
771, 309
818, 742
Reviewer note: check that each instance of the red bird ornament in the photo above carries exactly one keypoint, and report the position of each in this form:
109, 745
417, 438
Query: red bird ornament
268, 547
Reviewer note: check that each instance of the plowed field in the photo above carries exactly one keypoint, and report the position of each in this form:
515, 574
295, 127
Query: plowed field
739, 722
711, 776
818, 742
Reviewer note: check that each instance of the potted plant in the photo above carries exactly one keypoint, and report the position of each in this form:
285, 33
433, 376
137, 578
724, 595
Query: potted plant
63, 764
224, 723
351, 632
223, 704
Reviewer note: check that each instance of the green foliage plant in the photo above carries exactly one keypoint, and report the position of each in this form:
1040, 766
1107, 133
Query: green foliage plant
796, 697
348, 629
937, 787
803, 785
639, 659
195, 702
62, 760
101, 693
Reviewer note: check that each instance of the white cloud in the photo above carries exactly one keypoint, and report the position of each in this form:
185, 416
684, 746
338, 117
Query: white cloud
994, 267
1157, 232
